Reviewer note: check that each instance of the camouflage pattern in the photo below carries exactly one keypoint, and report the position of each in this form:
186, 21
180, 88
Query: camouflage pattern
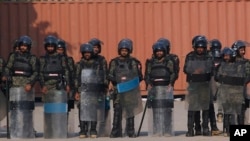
176, 63
51, 84
18, 81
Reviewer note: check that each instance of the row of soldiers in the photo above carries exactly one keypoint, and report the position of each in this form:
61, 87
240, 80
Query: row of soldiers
87, 81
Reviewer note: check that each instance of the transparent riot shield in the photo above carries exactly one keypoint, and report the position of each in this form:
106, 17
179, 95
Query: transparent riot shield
3, 112
104, 127
160, 111
55, 114
21, 113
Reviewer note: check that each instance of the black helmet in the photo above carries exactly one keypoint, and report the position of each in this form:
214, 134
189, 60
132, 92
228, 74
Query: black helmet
96, 42
158, 46
25, 40
215, 44
228, 51
200, 43
86, 47
50, 40
166, 44
125, 44
61, 44
198, 38
238, 44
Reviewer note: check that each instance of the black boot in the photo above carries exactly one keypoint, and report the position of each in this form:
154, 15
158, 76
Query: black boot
83, 129
213, 125
190, 124
117, 122
130, 127
205, 116
226, 124
197, 123
93, 132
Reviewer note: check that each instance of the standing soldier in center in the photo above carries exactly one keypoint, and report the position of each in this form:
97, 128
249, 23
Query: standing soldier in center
160, 76
90, 86
199, 68
54, 80
105, 126
125, 75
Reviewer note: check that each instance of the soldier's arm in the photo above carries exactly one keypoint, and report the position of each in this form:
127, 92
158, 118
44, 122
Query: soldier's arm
9, 65
139, 68
41, 75
111, 70
105, 69
66, 69
147, 72
35, 69
247, 69
77, 76
170, 65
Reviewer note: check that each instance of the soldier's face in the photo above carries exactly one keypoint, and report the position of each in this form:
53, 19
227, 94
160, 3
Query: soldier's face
87, 55
124, 52
50, 49
23, 48
96, 50
199, 50
159, 54
60, 50
226, 57
242, 52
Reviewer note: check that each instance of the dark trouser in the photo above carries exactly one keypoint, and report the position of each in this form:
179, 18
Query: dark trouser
212, 118
190, 123
117, 122
241, 116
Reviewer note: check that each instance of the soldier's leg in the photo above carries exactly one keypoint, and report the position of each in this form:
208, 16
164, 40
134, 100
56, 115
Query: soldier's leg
190, 124
93, 132
83, 129
226, 124
197, 122
130, 127
205, 117
213, 125
117, 122
241, 116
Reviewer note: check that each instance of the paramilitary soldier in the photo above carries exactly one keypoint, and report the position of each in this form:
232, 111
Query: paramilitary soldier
198, 68
3, 104
215, 49
160, 76
125, 75
240, 48
105, 126
54, 80
90, 86
231, 75
22, 69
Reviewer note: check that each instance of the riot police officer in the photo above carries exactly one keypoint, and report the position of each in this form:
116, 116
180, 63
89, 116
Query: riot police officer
22, 69
90, 86
54, 80
160, 75
198, 68
125, 75
105, 126
239, 47
231, 75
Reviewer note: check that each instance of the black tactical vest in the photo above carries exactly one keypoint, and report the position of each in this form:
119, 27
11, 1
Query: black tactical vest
22, 66
124, 70
53, 68
160, 74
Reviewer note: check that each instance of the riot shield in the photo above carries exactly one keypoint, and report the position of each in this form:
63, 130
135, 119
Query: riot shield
230, 98
3, 104
104, 127
55, 114
160, 111
21, 113
198, 96
92, 97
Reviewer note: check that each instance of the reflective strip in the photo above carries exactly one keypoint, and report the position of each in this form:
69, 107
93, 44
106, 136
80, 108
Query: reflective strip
53, 74
55, 108
127, 86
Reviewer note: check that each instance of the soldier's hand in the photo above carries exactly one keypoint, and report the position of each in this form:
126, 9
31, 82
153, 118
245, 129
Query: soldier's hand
44, 90
77, 96
27, 88
4, 78
198, 71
